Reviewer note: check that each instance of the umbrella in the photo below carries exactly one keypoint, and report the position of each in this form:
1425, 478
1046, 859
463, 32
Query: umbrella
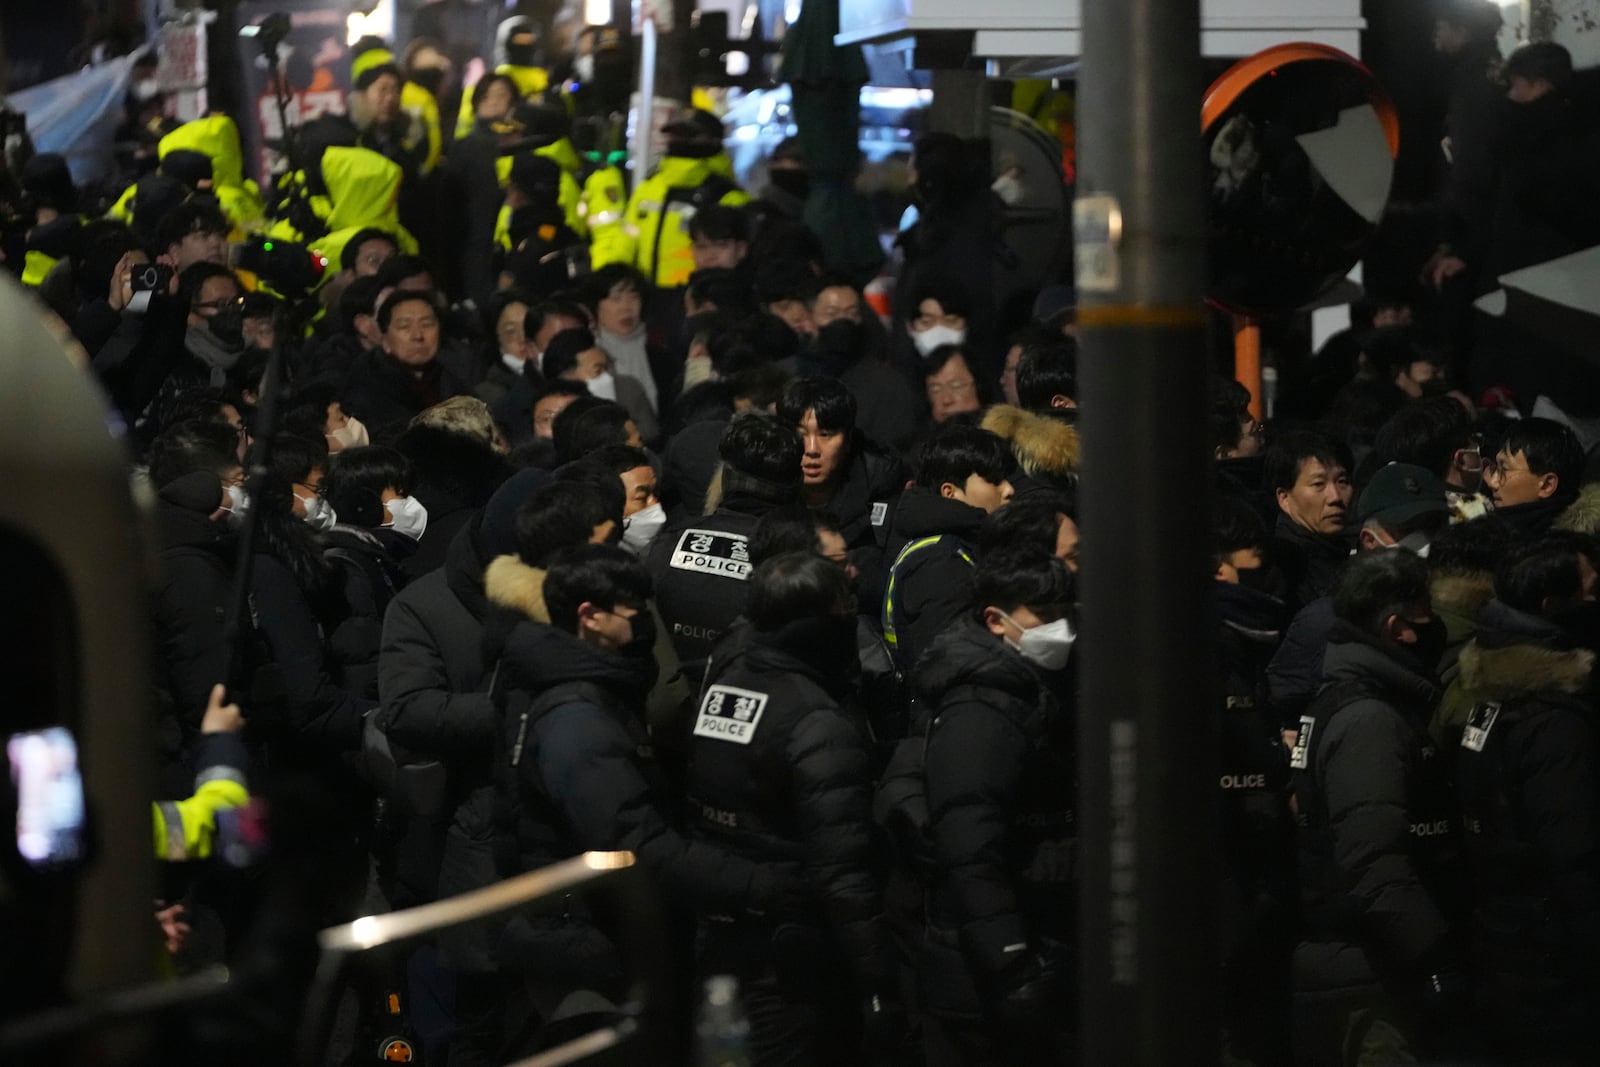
826, 82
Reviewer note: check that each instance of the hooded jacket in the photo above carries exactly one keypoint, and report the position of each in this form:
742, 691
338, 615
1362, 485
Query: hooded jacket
1047, 448
654, 235
1529, 783
582, 776
1380, 864
216, 137
931, 580
780, 774
1002, 797
363, 191
1583, 514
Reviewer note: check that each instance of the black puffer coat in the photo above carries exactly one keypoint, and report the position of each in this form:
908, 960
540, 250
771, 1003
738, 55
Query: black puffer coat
930, 585
1001, 790
1529, 782
780, 774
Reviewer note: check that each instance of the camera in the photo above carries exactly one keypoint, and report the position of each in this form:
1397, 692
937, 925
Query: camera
269, 33
151, 278
290, 268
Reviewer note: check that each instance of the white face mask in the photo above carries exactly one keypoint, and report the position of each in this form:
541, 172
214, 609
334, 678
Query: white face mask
353, 434
604, 386
1048, 646
407, 516
934, 336
236, 503
512, 363
640, 529
320, 515
1415, 543
583, 68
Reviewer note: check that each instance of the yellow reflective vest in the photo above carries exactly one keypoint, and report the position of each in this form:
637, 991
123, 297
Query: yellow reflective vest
187, 829
654, 235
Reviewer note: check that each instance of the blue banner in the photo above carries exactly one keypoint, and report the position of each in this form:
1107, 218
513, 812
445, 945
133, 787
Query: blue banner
78, 114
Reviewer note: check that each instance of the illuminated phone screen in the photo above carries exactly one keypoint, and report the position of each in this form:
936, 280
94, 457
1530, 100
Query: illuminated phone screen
50, 805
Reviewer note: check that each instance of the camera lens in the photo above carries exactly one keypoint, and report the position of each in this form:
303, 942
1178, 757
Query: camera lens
146, 277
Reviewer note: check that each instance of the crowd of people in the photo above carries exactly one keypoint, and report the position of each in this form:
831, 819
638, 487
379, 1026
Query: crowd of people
597, 521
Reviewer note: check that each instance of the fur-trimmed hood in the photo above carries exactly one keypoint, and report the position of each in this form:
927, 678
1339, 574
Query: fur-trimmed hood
1043, 446
1523, 671
511, 583
1583, 514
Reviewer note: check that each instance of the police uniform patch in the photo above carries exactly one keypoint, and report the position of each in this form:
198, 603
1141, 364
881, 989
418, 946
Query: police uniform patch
880, 512
1299, 758
726, 555
1479, 723
730, 714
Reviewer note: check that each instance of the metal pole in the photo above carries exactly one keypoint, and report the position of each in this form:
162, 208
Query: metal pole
644, 125
1148, 967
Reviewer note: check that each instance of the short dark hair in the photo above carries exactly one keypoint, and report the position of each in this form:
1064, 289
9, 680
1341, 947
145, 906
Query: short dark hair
587, 472
718, 222
785, 279
557, 387
1022, 525
952, 299
605, 575
761, 385
194, 445
352, 247
540, 313
405, 296
794, 586
1286, 454
757, 340
1541, 61
305, 414
760, 446
398, 268
577, 433
481, 89
562, 514
1475, 547
1550, 447
1546, 568
1374, 585
561, 354
1045, 371
1020, 578
1235, 526
597, 286
790, 528
830, 398
194, 278
360, 297
955, 452
358, 478
939, 357
727, 289
1425, 433
198, 214
619, 459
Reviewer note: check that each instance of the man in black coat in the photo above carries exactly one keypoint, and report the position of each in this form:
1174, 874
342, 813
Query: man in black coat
1378, 971
1309, 474
1535, 476
779, 773
995, 972
391, 385
578, 767
962, 477
1529, 781
845, 474
700, 564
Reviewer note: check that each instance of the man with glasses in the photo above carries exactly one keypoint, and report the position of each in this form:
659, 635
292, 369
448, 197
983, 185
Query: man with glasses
1436, 433
952, 390
1535, 475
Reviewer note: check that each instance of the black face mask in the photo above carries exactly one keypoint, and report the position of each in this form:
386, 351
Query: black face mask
227, 325
797, 183
430, 78
1432, 637
643, 642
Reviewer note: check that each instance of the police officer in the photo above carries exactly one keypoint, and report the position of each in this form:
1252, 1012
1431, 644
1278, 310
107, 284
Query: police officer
1258, 876
1528, 784
996, 964
701, 564
779, 772
1377, 973
654, 235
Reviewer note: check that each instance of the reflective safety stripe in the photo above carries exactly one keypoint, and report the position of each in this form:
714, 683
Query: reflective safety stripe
894, 571
177, 848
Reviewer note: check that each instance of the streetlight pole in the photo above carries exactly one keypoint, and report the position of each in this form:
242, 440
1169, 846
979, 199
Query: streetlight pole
1149, 967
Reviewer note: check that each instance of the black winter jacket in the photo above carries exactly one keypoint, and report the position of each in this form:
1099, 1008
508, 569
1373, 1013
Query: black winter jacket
455, 477
582, 776
929, 586
780, 774
1530, 796
1380, 863
371, 576
1308, 561
864, 506
385, 396
1001, 791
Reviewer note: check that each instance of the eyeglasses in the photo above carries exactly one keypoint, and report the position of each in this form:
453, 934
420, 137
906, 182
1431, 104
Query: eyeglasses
315, 490
1494, 471
939, 390
218, 305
